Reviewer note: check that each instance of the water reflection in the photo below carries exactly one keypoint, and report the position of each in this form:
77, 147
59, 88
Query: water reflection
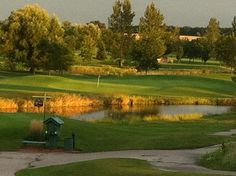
62, 111
127, 112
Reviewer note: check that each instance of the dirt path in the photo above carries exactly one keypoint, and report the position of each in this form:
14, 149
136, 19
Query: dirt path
171, 160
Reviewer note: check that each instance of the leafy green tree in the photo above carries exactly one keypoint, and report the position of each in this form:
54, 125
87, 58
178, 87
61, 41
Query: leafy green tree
140, 54
172, 40
56, 56
192, 49
101, 54
25, 29
197, 49
179, 50
101, 25
226, 51
152, 38
234, 27
87, 40
120, 23
204, 50
70, 34
212, 34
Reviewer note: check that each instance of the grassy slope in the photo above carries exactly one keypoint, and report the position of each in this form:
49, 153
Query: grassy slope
208, 86
105, 167
223, 159
107, 137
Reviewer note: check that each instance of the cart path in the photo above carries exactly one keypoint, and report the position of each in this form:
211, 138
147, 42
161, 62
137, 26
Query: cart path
171, 160
226, 133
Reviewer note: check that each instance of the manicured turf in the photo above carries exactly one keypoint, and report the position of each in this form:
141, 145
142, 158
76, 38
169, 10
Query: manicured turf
92, 137
105, 167
13, 85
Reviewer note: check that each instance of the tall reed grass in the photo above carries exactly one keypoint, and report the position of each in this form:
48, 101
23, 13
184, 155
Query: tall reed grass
174, 118
87, 103
8, 103
103, 70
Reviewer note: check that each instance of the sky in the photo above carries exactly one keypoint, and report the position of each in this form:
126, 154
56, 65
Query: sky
177, 12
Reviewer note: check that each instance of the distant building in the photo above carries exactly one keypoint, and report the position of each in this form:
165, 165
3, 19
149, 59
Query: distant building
188, 37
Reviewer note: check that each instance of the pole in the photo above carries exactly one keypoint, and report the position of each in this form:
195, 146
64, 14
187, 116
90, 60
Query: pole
44, 97
98, 81
44, 106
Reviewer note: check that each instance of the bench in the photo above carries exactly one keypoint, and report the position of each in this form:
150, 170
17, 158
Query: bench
34, 142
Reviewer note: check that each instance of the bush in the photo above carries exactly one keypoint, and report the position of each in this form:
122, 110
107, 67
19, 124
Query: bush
222, 159
234, 78
35, 131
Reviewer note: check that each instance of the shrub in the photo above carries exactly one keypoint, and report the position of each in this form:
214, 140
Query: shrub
234, 78
222, 159
36, 130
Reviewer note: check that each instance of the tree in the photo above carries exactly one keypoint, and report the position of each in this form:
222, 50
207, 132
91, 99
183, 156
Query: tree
70, 34
172, 40
212, 34
152, 42
120, 23
57, 56
197, 49
101, 25
179, 50
101, 54
226, 47
204, 50
234, 27
226, 51
141, 56
25, 29
87, 40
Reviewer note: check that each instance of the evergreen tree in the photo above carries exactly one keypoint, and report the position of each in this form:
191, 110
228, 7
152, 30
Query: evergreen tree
152, 38
120, 23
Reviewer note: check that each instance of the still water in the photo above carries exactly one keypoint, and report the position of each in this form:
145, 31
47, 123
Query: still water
119, 113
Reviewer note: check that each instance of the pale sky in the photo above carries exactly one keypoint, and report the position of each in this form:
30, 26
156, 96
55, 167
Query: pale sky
176, 12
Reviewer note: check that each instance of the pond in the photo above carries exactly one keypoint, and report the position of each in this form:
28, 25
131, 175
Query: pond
118, 113
93, 113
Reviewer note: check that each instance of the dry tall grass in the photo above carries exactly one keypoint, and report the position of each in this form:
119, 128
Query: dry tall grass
74, 101
36, 126
8, 103
174, 118
86, 103
103, 70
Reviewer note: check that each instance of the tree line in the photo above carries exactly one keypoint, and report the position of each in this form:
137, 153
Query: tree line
32, 37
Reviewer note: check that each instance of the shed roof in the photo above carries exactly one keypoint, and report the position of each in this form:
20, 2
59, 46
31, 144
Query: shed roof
54, 120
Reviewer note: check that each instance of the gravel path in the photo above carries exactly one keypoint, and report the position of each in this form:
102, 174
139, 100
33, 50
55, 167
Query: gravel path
171, 160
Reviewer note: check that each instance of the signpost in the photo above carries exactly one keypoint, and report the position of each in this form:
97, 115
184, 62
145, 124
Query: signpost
40, 101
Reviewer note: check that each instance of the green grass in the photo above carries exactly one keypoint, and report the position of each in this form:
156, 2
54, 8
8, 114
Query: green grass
197, 64
180, 66
105, 167
223, 159
16, 84
91, 137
